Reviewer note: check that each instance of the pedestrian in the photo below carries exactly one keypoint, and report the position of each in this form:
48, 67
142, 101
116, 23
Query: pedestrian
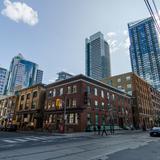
99, 129
104, 131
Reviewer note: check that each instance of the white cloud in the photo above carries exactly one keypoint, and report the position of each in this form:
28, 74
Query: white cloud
111, 34
18, 11
118, 42
125, 32
126, 43
113, 44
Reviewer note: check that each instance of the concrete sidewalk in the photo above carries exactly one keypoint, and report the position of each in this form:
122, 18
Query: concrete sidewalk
93, 134
78, 134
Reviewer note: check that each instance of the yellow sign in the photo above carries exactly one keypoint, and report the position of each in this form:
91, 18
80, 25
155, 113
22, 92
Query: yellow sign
58, 103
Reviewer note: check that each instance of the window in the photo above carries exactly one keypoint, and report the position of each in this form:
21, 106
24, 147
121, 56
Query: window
76, 118
50, 94
88, 119
95, 91
113, 96
53, 104
34, 94
71, 118
61, 91
74, 103
74, 89
22, 97
102, 105
119, 80
49, 106
50, 118
96, 117
129, 85
33, 105
27, 106
69, 102
21, 107
96, 104
128, 78
28, 96
88, 89
69, 89
102, 93
108, 95
54, 92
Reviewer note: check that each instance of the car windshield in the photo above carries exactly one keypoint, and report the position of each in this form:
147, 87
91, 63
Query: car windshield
156, 128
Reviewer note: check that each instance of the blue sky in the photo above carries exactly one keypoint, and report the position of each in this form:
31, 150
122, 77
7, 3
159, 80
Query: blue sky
52, 33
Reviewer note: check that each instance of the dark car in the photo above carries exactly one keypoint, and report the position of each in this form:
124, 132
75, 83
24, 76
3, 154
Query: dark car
155, 132
11, 127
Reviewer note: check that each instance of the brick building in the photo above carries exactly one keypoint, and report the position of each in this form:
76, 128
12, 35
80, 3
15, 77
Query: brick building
145, 99
7, 109
85, 103
156, 105
29, 110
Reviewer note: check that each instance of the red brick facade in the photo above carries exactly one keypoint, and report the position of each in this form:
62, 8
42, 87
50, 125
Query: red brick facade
86, 103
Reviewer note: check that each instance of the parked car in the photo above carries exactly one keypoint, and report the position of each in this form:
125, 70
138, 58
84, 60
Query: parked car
11, 127
155, 132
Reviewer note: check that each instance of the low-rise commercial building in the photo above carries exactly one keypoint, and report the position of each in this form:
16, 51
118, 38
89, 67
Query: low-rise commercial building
7, 110
29, 110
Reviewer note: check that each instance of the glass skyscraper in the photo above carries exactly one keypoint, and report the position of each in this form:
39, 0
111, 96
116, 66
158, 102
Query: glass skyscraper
144, 50
3, 79
97, 57
39, 76
22, 74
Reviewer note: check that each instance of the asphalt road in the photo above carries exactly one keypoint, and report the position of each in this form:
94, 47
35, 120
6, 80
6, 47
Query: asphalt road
148, 152
135, 146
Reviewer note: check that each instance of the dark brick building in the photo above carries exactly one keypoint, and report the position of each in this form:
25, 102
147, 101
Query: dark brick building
84, 103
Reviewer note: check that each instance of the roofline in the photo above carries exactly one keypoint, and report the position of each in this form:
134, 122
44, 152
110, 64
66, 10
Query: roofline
36, 85
135, 23
89, 79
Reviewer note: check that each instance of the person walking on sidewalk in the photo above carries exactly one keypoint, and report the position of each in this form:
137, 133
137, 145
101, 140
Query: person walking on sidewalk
99, 129
94, 129
104, 131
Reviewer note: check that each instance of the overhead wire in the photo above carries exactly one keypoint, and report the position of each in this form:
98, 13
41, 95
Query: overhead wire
152, 14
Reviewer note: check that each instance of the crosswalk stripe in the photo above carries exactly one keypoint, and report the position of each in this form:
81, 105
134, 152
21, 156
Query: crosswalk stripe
31, 139
9, 141
21, 140
40, 138
25, 139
